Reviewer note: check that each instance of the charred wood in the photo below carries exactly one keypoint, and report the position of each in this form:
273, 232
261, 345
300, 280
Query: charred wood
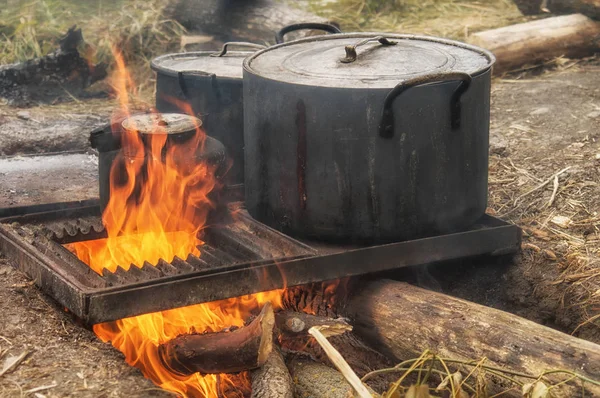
405, 320
272, 379
54, 77
532, 43
223, 352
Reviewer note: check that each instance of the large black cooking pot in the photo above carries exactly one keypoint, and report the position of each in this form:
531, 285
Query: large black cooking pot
211, 83
367, 137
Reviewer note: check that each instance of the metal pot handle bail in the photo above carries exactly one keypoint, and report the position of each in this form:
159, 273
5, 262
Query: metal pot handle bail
386, 127
306, 25
237, 43
351, 49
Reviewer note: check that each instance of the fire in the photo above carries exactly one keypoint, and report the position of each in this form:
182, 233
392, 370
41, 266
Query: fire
162, 204
139, 337
156, 212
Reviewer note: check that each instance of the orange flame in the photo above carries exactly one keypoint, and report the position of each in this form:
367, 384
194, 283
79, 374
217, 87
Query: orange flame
157, 208
158, 203
139, 337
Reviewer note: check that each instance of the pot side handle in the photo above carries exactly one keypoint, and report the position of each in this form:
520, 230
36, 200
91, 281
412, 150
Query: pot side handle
305, 25
239, 44
183, 86
386, 127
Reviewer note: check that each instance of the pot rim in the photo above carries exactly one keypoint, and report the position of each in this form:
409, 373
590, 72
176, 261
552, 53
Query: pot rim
491, 59
156, 66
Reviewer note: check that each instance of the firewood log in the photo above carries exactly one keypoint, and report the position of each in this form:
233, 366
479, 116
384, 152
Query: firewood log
405, 320
223, 352
272, 379
532, 43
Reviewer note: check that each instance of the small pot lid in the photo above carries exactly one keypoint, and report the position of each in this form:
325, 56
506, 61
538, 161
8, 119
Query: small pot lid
223, 63
382, 62
165, 123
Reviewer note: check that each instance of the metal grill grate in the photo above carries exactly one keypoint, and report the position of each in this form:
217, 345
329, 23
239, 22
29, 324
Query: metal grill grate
239, 257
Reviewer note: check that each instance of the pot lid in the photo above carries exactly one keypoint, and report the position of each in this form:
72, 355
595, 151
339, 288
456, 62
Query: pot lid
223, 63
365, 60
165, 123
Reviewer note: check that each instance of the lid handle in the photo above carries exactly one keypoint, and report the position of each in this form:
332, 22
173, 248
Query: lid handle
305, 25
351, 49
237, 43
386, 127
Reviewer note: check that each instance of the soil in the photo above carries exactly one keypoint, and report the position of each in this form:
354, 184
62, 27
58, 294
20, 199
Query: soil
541, 124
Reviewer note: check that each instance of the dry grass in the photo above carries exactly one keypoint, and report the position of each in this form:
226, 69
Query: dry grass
433, 376
454, 19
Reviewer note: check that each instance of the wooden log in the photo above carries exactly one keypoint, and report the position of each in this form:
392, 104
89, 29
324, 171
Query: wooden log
272, 379
532, 43
405, 320
589, 8
223, 352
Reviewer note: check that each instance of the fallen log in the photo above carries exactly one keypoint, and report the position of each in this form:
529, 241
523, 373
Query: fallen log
405, 320
223, 352
56, 76
589, 8
272, 379
532, 43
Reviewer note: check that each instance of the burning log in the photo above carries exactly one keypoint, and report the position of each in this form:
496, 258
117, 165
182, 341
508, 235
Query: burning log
406, 320
223, 352
60, 74
532, 43
272, 379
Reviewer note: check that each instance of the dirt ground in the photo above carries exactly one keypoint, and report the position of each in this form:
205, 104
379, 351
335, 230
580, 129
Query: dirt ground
541, 124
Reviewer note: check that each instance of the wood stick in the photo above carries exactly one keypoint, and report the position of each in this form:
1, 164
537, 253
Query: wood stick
532, 43
223, 352
406, 320
295, 324
272, 379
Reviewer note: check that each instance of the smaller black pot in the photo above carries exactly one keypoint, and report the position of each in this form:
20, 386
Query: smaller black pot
210, 83
109, 142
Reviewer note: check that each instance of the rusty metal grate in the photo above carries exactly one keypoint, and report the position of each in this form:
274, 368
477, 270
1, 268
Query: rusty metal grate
239, 257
